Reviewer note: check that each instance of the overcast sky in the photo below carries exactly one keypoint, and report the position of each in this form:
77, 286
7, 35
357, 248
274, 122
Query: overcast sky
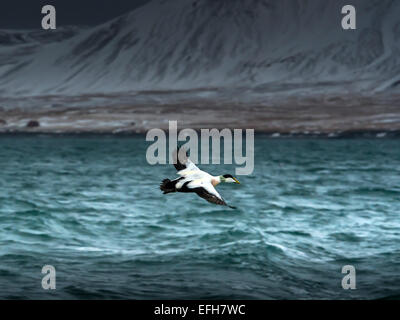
22, 14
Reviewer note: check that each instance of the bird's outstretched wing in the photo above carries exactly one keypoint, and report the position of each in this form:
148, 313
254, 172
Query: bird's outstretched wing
182, 161
209, 193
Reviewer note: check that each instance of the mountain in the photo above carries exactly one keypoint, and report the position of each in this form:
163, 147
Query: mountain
18, 37
189, 44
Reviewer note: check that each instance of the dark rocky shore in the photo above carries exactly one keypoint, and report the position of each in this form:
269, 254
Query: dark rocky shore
323, 115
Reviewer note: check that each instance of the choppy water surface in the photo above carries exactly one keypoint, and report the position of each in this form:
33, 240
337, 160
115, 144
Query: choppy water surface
91, 207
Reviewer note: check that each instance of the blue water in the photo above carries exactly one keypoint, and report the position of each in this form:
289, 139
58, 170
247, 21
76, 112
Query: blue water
91, 207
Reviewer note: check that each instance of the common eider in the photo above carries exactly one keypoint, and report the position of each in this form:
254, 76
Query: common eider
192, 179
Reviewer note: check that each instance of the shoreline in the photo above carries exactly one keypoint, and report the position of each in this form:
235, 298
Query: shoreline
284, 116
258, 134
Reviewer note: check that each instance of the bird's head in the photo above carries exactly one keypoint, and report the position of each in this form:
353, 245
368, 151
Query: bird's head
228, 179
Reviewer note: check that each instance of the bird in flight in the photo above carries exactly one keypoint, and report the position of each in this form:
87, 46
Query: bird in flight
192, 179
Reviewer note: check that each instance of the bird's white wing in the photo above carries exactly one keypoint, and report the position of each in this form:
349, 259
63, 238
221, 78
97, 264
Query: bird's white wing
182, 162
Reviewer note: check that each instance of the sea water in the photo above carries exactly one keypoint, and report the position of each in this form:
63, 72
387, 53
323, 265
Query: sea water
91, 207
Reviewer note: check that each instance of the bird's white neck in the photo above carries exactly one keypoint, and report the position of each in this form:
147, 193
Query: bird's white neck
216, 181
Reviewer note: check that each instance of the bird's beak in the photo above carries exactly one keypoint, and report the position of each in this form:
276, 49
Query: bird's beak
236, 180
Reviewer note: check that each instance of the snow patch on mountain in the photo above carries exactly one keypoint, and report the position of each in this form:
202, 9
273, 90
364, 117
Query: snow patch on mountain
185, 44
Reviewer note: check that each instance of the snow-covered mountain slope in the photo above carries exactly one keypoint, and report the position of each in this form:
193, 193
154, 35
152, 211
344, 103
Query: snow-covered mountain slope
185, 44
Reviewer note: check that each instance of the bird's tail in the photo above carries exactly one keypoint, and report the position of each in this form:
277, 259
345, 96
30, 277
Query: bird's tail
167, 186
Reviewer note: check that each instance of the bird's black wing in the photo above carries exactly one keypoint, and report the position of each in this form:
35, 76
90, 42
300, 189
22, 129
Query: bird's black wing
180, 161
213, 198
